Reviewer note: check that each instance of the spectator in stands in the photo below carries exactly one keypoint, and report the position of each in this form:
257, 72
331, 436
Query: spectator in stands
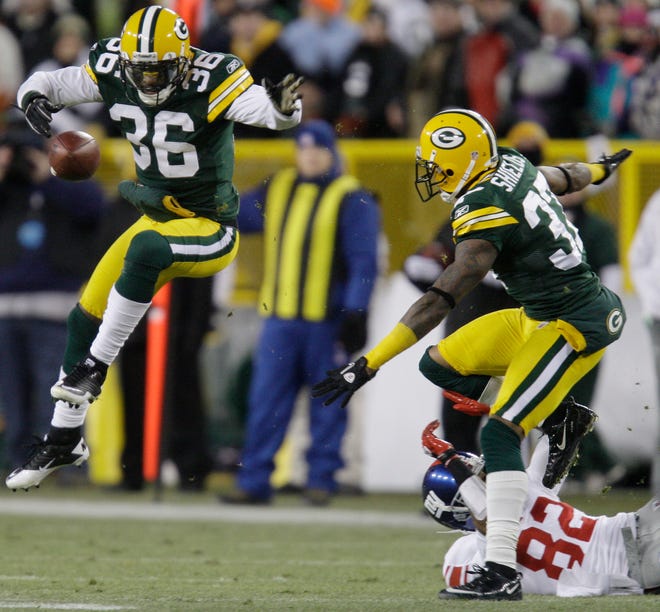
371, 99
49, 230
645, 90
320, 41
490, 54
321, 233
254, 37
603, 30
215, 35
615, 71
409, 25
71, 42
11, 67
436, 79
550, 83
32, 22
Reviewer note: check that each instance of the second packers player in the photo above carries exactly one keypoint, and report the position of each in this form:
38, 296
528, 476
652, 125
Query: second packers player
176, 105
505, 216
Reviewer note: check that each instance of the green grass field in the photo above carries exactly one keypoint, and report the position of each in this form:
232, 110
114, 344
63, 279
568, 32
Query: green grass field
87, 549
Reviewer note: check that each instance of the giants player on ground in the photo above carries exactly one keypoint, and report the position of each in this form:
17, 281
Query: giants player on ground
561, 550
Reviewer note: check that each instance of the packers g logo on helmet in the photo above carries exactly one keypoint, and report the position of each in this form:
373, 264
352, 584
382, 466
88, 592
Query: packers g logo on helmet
456, 149
154, 53
181, 30
447, 138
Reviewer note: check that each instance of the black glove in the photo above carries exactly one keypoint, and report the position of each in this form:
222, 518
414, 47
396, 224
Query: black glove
343, 381
39, 111
353, 331
611, 162
285, 93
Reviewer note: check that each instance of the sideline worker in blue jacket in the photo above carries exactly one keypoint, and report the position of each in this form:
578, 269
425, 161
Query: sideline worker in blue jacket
320, 264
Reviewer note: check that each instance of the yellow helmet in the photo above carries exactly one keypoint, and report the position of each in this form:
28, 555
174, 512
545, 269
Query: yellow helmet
154, 52
456, 149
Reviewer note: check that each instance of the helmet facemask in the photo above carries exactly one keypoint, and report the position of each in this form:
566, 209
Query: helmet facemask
154, 80
428, 186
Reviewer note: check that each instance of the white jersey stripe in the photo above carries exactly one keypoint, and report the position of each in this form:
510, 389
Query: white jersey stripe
203, 249
541, 381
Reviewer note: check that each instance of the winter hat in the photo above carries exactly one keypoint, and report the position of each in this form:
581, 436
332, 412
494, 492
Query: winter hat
318, 133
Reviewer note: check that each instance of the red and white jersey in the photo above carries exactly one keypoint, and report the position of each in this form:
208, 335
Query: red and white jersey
561, 550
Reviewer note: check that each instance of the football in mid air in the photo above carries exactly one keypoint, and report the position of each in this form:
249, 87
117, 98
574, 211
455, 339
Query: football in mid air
73, 156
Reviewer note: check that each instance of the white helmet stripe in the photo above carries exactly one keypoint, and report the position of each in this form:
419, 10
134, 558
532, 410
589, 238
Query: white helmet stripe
486, 127
146, 35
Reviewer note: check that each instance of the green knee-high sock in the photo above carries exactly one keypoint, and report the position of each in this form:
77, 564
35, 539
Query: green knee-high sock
82, 329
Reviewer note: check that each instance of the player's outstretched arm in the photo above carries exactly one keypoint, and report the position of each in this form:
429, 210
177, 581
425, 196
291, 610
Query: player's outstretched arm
575, 176
473, 260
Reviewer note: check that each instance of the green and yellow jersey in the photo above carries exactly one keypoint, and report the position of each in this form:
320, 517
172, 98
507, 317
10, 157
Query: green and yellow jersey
183, 146
541, 258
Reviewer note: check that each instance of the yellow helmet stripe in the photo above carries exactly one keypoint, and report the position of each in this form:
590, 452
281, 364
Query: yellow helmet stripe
225, 93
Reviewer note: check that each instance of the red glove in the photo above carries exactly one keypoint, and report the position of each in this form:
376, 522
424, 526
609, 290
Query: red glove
465, 404
434, 446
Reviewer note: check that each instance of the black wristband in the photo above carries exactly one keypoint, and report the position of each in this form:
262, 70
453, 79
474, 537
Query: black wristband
449, 298
569, 182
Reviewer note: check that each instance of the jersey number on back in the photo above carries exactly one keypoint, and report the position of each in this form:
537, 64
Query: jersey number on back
540, 201
537, 550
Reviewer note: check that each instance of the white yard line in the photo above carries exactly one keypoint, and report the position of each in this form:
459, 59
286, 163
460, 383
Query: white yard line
37, 605
35, 506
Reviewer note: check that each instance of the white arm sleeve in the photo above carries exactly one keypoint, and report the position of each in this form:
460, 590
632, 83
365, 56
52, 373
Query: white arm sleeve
254, 107
68, 86
473, 492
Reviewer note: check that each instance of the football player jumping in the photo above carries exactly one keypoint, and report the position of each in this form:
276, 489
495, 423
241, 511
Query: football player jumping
176, 105
505, 217
561, 550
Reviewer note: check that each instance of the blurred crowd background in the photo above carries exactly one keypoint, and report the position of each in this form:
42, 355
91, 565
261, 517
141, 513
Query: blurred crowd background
379, 68
579, 70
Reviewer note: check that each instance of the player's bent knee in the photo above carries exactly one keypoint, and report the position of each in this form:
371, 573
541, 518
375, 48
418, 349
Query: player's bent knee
470, 386
150, 248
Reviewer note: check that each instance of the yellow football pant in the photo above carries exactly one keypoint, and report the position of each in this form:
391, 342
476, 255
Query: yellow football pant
95, 296
540, 361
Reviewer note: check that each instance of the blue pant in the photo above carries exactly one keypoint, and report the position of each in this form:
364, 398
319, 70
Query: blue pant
30, 358
289, 356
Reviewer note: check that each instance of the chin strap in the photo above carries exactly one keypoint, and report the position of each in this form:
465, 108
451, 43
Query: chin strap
464, 179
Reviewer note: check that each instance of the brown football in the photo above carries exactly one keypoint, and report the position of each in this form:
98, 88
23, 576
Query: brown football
73, 156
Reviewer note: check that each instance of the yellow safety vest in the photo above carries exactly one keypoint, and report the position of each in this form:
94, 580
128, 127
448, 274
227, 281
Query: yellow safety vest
299, 245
